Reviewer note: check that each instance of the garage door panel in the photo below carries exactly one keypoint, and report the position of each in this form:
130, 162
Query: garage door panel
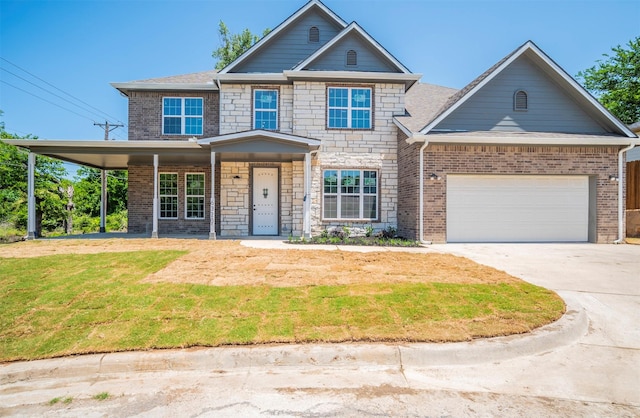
492, 208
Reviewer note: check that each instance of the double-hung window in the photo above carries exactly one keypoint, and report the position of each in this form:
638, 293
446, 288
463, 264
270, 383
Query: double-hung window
265, 109
182, 116
349, 108
350, 194
168, 191
194, 196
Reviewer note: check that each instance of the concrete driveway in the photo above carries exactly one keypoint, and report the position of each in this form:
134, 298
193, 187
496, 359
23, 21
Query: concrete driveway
588, 364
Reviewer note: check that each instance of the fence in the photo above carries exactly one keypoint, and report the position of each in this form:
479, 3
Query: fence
633, 185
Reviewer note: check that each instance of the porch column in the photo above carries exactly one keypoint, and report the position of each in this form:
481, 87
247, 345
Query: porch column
31, 197
103, 201
212, 209
154, 232
306, 223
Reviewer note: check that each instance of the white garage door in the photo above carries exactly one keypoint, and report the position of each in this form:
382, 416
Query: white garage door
494, 208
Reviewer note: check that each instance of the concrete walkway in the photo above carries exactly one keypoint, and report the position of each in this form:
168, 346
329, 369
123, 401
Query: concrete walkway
586, 364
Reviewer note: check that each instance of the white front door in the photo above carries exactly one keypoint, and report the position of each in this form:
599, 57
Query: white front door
265, 201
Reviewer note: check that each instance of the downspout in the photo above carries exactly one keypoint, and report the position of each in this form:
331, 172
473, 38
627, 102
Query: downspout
421, 194
621, 182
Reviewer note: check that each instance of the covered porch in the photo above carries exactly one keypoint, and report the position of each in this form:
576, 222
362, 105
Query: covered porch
256, 183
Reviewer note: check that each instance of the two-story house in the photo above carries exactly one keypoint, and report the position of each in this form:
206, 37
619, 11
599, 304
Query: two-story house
319, 125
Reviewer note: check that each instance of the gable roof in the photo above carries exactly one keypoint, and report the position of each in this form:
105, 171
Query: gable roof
575, 90
353, 28
422, 103
281, 27
203, 80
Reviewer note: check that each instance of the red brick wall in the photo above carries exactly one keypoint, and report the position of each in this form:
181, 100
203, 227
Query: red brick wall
408, 186
145, 114
141, 201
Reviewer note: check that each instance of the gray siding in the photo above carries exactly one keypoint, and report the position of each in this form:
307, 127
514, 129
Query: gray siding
290, 47
369, 59
550, 109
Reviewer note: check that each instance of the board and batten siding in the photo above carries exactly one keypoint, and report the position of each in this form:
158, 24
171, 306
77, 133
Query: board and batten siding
368, 59
291, 47
550, 108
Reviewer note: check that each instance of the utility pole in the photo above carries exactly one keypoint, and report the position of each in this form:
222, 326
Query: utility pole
103, 177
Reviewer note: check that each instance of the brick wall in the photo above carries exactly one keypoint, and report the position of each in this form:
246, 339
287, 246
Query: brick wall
145, 114
408, 186
598, 162
140, 195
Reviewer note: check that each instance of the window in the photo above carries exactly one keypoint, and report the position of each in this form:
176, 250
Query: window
352, 57
182, 116
349, 107
350, 194
194, 196
520, 100
314, 34
265, 109
168, 195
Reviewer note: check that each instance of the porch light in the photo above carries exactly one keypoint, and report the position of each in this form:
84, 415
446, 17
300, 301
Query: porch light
434, 176
613, 177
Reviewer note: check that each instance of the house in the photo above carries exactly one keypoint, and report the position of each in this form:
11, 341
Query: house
318, 125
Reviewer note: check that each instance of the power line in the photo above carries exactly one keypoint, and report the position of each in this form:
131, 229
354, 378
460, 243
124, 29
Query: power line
60, 90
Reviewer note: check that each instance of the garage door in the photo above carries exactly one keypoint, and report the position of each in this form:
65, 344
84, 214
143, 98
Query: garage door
494, 208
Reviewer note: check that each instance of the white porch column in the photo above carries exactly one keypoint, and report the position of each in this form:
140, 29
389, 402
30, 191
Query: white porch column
154, 232
103, 201
31, 197
212, 208
306, 224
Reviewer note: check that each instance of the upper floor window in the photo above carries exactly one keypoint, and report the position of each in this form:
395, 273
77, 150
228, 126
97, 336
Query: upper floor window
352, 57
314, 34
182, 116
265, 109
520, 100
349, 107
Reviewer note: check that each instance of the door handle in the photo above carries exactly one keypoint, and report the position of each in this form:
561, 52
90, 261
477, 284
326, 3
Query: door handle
254, 207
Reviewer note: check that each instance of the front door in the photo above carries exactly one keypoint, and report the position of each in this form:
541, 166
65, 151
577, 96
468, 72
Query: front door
265, 201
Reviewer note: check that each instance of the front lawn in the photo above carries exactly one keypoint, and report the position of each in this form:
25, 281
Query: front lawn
67, 304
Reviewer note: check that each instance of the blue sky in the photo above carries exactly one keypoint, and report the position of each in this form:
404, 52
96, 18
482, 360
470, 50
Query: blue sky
81, 46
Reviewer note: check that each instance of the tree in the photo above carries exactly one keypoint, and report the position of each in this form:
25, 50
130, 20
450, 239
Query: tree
49, 187
88, 190
615, 81
233, 45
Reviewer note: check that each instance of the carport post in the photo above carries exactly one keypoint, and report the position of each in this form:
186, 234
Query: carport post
306, 223
103, 201
31, 196
212, 208
154, 232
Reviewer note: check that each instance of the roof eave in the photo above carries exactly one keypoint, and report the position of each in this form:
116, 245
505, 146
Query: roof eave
125, 88
520, 140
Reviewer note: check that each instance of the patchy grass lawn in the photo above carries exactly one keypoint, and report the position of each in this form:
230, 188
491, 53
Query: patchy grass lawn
80, 296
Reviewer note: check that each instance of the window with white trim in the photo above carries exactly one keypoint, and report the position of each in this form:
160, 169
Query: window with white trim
194, 195
349, 107
168, 192
182, 115
265, 109
520, 100
350, 194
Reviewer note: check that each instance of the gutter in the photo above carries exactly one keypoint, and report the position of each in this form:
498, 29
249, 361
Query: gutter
621, 181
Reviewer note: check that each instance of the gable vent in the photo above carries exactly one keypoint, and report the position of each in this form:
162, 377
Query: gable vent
314, 34
352, 57
520, 100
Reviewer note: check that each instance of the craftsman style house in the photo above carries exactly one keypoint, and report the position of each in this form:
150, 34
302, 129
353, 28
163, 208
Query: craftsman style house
318, 125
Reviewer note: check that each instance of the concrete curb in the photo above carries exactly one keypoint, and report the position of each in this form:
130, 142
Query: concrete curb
566, 330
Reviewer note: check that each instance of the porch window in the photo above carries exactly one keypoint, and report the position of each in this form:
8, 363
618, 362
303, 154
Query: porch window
350, 194
182, 116
265, 109
349, 107
168, 191
194, 196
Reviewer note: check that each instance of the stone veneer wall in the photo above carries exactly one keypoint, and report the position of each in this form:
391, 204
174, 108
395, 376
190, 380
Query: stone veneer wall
350, 148
598, 162
145, 114
140, 197
236, 107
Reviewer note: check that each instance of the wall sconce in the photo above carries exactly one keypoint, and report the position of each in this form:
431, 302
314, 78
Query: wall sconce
612, 177
265, 193
434, 176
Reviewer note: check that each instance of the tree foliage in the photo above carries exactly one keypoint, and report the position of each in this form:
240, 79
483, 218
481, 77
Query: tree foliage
233, 45
88, 189
615, 81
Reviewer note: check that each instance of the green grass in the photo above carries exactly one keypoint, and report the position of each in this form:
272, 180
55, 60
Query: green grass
72, 304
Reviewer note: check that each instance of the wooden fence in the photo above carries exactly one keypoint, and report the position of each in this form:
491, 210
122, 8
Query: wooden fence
633, 185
